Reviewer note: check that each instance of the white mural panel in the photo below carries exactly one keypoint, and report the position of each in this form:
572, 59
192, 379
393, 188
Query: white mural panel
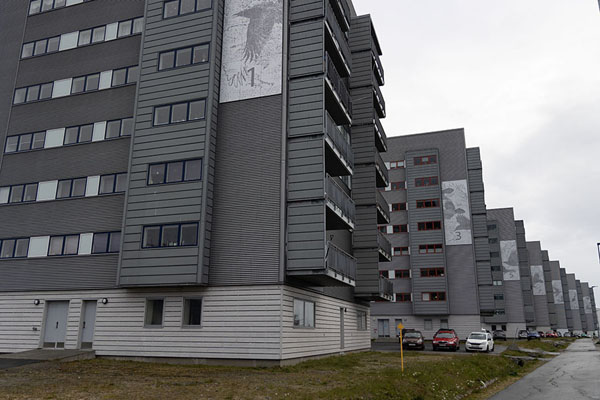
573, 299
252, 49
537, 280
587, 305
457, 214
510, 260
558, 292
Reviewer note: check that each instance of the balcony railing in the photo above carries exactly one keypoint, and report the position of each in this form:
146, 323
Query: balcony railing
339, 37
383, 207
340, 262
338, 83
340, 139
384, 245
382, 171
386, 288
343, 204
381, 138
379, 100
378, 69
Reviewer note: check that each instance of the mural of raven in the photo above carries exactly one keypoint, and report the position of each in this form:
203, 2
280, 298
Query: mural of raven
261, 20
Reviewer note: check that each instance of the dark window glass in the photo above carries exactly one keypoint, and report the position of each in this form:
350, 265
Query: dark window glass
187, 6
64, 189
78, 85
166, 60
100, 243
200, 54
127, 127
46, 90
16, 194
56, 246
99, 34
47, 5
71, 244
85, 133
119, 77
25, 142
71, 135
193, 311
184, 57
20, 96
107, 184
21, 247
27, 50
11, 144
40, 47
114, 244
197, 109
85, 37
189, 235
151, 236
171, 9
33, 93
203, 4
133, 74
35, 6
161, 115
125, 28
38, 140
170, 236
8, 248
138, 25
92, 82
113, 129
121, 183
53, 44
175, 172
179, 113
193, 170
157, 174
30, 193
154, 312
78, 188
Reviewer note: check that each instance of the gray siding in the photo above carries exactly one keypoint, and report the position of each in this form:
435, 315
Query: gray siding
540, 302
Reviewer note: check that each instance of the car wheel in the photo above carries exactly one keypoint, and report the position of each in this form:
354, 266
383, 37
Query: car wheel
487, 348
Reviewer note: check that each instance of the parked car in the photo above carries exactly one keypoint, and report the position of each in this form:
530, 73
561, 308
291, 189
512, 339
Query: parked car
480, 341
533, 335
499, 335
551, 334
542, 334
446, 339
413, 340
522, 334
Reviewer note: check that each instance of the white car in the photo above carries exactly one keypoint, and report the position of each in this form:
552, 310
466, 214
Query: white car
480, 341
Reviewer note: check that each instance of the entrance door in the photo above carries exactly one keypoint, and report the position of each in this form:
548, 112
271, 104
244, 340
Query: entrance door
341, 328
89, 322
56, 324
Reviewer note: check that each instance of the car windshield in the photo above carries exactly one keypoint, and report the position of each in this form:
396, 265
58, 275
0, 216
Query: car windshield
444, 335
478, 336
412, 335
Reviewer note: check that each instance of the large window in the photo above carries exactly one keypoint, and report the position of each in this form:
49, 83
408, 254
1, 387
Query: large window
180, 112
63, 245
398, 206
398, 185
402, 273
430, 248
183, 57
38, 6
497, 283
71, 188
399, 228
427, 181
106, 242
425, 160
304, 313
33, 93
125, 76
14, 248
433, 296
429, 226
173, 8
192, 312
403, 297
396, 164
18, 193
429, 203
174, 235
25, 142
498, 296
401, 251
432, 272
154, 312
175, 171
113, 183
119, 128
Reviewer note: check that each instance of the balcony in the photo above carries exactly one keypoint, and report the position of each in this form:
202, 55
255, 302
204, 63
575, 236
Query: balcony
383, 178
383, 210
386, 288
385, 248
337, 95
337, 269
380, 136
339, 158
341, 263
338, 38
378, 69
341, 212
378, 100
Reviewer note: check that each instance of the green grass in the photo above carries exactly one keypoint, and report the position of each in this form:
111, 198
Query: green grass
546, 344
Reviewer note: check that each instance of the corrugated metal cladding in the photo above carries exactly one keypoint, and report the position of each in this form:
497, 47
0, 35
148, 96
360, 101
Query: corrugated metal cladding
540, 301
525, 273
505, 220
574, 302
560, 308
184, 202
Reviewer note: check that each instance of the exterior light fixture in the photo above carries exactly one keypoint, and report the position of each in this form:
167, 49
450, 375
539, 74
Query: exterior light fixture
104, 300
36, 302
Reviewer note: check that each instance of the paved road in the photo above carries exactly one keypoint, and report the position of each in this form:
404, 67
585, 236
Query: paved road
395, 346
573, 375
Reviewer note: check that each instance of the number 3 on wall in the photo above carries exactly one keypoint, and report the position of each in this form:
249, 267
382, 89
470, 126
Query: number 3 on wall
458, 235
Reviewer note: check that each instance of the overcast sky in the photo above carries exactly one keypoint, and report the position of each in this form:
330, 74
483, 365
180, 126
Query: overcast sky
523, 78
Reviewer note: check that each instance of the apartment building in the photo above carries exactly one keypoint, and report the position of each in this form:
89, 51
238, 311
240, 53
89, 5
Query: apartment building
538, 286
176, 178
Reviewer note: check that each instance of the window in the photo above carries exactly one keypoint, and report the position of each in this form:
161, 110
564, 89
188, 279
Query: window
183, 57
361, 320
125, 76
63, 245
33, 93
106, 242
425, 160
304, 313
384, 273
402, 273
498, 296
398, 206
500, 312
37, 6
174, 172
492, 240
154, 312
173, 8
192, 312
396, 164
497, 283
443, 324
399, 228
71, 188
433, 296
14, 248
432, 272
428, 324
113, 183
39, 47
401, 251
496, 268
403, 297
398, 185
492, 227
19, 193
429, 226
428, 181
119, 128
494, 254
180, 112
430, 248
382, 228
429, 203
174, 235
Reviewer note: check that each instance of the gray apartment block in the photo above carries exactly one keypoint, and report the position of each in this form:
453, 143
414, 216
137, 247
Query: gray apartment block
538, 286
559, 296
550, 304
582, 314
574, 303
567, 297
525, 272
208, 168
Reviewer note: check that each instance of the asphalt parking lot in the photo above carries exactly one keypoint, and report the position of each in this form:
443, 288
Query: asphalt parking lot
395, 346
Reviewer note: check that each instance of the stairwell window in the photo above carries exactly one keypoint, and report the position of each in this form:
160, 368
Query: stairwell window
172, 235
304, 313
429, 203
398, 206
430, 248
433, 296
425, 160
429, 226
179, 112
174, 8
401, 251
403, 297
427, 181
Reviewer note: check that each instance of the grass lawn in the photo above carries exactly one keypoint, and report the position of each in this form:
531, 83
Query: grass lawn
546, 344
368, 375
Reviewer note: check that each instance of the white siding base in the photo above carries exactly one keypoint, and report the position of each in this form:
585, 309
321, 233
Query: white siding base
462, 324
238, 323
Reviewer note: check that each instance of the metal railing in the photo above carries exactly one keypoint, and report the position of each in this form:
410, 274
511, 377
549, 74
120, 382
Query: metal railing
338, 83
340, 261
380, 132
340, 138
379, 98
378, 68
384, 244
383, 205
341, 200
338, 35
386, 287
381, 168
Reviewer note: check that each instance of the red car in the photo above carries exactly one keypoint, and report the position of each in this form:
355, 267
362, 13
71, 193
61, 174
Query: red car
446, 339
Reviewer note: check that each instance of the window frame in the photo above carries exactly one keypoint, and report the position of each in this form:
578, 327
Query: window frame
179, 14
185, 300
432, 272
402, 228
14, 249
397, 185
434, 246
171, 105
396, 164
146, 309
403, 251
303, 324
107, 247
435, 203
160, 235
174, 51
419, 160
427, 181
396, 207
402, 274
362, 323
403, 297
429, 226
431, 296
165, 166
